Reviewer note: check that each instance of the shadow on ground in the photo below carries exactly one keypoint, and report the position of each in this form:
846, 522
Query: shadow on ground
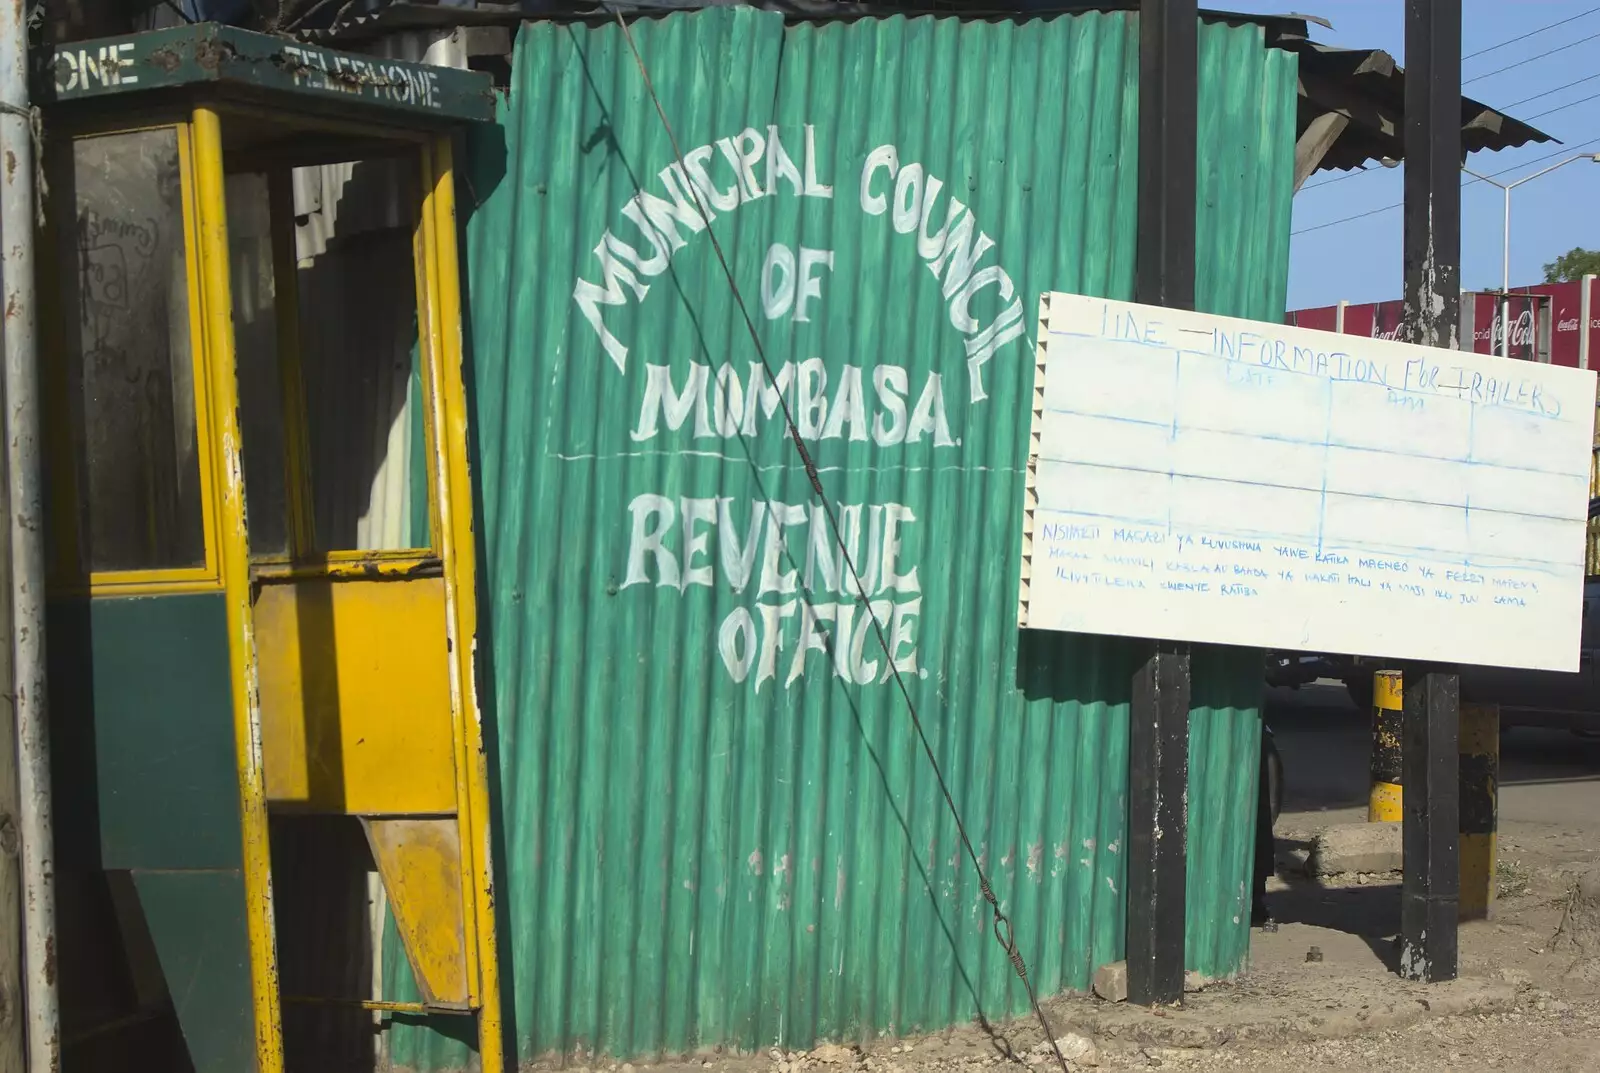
1371, 913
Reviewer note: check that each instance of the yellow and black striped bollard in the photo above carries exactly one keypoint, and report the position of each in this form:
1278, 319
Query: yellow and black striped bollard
1384, 799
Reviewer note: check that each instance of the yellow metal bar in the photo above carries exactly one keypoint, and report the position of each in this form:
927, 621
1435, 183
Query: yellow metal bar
291, 383
235, 561
431, 347
187, 578
138, 584
449, 409
396, 557
363, 568
379, 1005
205, 420
429, 342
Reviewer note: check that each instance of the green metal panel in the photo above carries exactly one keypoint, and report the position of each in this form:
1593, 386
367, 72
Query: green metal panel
287, 70
147, 761
713, 832
196, 921
1245, 176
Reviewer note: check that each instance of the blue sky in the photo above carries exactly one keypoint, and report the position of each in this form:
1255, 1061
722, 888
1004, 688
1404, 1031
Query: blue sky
1360, 260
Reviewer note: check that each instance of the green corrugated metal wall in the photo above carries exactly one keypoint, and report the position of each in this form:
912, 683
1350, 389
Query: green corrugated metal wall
715, 834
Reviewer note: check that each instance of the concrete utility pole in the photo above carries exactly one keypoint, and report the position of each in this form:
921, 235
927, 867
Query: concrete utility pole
25, 825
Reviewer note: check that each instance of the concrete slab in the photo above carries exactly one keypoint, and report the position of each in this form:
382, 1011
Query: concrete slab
1357, 847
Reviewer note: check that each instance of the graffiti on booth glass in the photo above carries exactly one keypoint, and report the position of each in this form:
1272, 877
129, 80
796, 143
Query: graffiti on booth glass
113, 255
116, 256
131, 386
806, 614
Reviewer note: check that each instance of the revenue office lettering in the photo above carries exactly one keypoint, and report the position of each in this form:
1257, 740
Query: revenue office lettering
807, 613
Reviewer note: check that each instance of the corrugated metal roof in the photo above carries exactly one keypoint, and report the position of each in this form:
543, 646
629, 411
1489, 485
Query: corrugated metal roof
718, 828
1370, 88
367, 19
1364, 85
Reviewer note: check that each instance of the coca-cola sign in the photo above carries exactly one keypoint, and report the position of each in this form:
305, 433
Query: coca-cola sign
1546, 322
1521, 329
1386, 320
1484, 312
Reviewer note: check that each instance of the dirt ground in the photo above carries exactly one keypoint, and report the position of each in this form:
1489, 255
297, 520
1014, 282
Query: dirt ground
1518, 1005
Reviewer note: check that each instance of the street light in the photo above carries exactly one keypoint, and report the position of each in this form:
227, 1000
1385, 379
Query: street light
1505, 248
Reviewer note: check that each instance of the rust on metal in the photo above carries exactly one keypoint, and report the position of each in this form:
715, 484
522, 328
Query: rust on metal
380, 1005
371, 566
167, 59
211, 53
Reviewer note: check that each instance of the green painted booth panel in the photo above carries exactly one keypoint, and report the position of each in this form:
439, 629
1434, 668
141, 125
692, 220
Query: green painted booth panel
142, 720
197, 923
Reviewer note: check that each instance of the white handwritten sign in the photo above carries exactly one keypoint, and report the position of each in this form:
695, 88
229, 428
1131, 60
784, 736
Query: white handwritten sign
1209, 479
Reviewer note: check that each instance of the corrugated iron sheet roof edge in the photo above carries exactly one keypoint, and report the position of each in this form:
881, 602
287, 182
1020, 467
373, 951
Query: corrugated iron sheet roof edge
1364, 84
1284, 31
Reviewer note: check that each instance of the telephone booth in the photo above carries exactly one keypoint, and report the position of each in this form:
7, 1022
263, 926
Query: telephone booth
266, 741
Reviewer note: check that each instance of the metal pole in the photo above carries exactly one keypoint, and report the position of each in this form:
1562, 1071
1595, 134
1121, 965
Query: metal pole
1430, 892
1158, 823
1505, 246
1505, 281
1585, 312
1432, 228
1158, 734
1505, 239
18, 208
1168, 117
1432, 245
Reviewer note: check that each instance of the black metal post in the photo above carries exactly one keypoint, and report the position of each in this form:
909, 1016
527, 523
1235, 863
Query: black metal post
1432, 245
1432, 242
1168, 88
1158, 757
1158, 825
1430, 893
